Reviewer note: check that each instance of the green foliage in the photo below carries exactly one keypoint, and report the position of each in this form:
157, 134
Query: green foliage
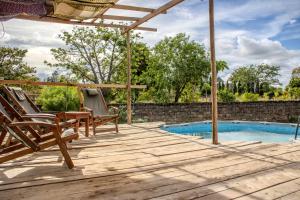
92, 54
12, 65
174, 63
294, 85
58, 76
59, 99
190, 94
255, 78
294, 92
248, 97
226, 96
139, 65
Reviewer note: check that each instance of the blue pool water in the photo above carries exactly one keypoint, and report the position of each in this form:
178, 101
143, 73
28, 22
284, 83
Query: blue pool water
238, 131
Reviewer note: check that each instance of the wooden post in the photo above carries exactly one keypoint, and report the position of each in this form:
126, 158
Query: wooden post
213, 74
128, 78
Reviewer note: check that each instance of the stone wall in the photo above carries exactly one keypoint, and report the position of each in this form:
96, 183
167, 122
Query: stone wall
273, 111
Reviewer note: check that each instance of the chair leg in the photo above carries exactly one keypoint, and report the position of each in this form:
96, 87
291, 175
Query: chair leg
117, 127
63, 148
94, 128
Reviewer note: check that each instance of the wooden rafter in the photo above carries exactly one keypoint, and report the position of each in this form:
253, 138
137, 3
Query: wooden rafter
153, 14
127, 7
134, 8
62, 21
120, 18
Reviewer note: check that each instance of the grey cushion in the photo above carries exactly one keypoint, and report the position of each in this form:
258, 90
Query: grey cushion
19, 94
92, 92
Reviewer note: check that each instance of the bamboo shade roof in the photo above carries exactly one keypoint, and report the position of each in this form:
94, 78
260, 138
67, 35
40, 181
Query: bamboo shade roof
91, 13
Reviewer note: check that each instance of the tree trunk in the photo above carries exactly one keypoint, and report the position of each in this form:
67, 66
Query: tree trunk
177, 95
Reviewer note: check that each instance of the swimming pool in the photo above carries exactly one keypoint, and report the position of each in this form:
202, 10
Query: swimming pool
238, 131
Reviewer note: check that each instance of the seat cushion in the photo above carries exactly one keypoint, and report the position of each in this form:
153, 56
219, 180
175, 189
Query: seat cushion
68, 132
92, 92
19, 94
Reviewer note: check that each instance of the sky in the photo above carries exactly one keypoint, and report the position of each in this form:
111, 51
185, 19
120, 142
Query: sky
247, 32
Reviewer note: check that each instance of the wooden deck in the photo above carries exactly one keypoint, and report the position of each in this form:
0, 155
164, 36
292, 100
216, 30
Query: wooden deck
143, 162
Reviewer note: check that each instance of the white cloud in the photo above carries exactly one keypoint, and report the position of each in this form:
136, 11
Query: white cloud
292, 21
36, 56
251, 51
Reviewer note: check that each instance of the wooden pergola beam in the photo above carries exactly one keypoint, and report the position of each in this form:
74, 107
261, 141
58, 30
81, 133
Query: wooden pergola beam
134, 8
213, 73
35, 83
154, 13
120, 18
129, 113
62, 21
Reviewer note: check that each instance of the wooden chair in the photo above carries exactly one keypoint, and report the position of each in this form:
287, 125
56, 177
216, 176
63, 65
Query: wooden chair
21, 138
94, 103
25, 106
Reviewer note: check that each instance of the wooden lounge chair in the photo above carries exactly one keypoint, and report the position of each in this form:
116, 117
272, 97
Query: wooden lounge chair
94, 103
16, 142
25, 106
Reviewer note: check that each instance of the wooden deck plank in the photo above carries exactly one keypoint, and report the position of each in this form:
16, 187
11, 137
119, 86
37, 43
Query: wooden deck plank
216, 163
145, 162
103, 167
290, 196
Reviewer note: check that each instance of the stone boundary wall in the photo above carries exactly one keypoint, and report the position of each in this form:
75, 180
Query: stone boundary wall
272, 111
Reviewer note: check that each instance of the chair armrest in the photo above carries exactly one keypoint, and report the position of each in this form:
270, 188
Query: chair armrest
50, 112
39, 116
115, 109
87, 109
31, 123
67, 124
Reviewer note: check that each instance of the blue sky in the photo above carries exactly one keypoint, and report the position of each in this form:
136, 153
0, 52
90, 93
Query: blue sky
247, 32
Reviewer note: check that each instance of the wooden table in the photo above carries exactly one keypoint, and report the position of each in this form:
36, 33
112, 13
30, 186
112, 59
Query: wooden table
85, 116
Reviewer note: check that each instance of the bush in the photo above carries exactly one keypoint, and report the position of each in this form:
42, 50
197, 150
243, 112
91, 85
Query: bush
294, 93
226, 96
59, 99
246, 97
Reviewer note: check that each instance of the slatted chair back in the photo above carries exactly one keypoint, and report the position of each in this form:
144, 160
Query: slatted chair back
94, 100
9, 115
7, 118
21, 100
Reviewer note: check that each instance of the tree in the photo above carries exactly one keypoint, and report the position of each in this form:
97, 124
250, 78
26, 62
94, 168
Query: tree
174, 63
295, 79
255, 78
59, 76
13, 66
293, 87
92, 54
140, 53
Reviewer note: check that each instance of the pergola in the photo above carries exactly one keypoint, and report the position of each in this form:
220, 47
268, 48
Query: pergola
97, 19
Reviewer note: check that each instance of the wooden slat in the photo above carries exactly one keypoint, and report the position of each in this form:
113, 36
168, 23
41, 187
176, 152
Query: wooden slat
154, 14
34, 83
103, 12
120, 18
61, 21
134, 8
